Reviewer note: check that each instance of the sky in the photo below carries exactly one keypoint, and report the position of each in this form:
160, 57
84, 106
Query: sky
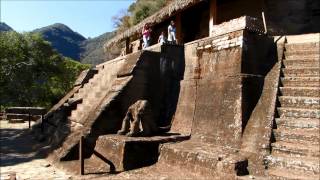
90, 18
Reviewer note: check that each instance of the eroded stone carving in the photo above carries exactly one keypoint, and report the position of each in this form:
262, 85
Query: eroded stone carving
139, 121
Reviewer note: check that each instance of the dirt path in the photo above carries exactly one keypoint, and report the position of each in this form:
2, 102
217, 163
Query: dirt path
19, 155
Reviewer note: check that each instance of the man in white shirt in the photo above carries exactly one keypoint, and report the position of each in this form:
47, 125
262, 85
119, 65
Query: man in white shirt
172, 33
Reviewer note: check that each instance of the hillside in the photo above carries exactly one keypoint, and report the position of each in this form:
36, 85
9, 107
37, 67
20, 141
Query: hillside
92, 49
5, 27
63, 39
72, 44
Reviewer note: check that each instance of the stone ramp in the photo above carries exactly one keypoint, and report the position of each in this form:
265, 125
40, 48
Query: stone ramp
295, 152
96, 95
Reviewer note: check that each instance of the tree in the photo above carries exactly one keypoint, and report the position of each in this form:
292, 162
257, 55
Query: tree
137, 12
121, 21
31, 72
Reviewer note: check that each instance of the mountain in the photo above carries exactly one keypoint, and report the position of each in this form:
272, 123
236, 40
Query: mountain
93, 52
63, 39
5, 27
72, 44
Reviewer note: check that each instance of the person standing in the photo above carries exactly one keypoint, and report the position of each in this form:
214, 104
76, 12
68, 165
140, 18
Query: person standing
172, 33
162, 38
146, 36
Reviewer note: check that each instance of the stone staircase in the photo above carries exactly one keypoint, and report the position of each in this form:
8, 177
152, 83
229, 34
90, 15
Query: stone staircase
103, 86
296, 151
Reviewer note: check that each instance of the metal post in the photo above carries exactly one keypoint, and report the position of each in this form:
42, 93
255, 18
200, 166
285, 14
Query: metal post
29, 121
81, 159
264, 23
41, 123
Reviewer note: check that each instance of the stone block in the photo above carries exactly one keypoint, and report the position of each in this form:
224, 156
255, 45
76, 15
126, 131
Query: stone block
127, 153
204, 158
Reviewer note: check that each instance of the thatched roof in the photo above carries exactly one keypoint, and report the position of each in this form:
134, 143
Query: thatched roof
158, 17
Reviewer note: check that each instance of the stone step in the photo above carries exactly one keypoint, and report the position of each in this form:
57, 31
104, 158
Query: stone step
77, 118
300, 81
302, 56
95, 96
281, 148
203, 158
302, 46
82, 91
305, 164
301, 72
105, 88
83, 107
302, 52
298, 123
310, 136
298, 113
76, 114
301, 63
289, 174
300, 91
300, 102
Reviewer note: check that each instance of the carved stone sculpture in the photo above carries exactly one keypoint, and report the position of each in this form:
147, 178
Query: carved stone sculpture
139, 120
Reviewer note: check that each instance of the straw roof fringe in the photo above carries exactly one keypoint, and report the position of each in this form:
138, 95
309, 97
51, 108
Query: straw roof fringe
158, 17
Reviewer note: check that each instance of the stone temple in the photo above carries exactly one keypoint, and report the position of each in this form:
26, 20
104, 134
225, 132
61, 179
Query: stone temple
240, 93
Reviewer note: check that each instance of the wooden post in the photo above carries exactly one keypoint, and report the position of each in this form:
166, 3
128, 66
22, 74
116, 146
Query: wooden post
213, 16
81, 159
178, 28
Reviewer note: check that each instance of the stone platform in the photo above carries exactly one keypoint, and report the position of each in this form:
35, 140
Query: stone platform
204, 159
127, 153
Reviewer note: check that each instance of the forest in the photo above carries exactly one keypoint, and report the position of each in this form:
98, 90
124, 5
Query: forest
32, 73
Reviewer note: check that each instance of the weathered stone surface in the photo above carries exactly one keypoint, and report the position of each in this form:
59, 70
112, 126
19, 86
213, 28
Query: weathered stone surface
296, 150
85, 76
298, 122
298, 113
205, 159
294, 163
222, 93
224, 100
300, 91
300, 81
301, 102
285, 173
302, 72
301, 63
127, 153
305, 149
297, 135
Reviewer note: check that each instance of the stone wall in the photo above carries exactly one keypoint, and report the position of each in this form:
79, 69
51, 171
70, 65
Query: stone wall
217, 117
223, 82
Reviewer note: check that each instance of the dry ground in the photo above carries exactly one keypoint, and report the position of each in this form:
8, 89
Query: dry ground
19, 155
